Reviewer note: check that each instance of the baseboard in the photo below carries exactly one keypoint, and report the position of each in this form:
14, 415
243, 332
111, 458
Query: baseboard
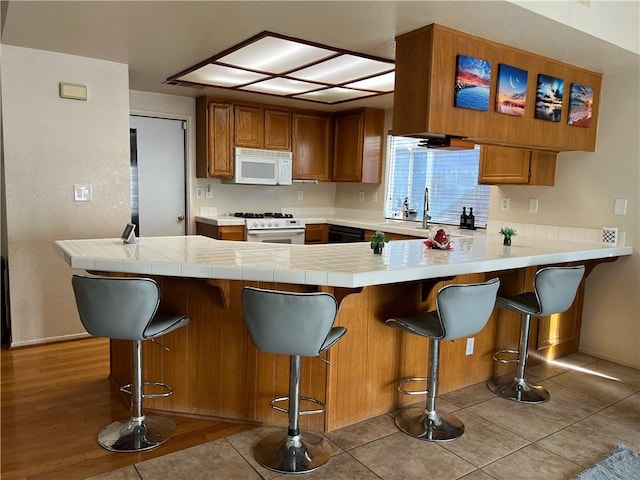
596, 354
44, 341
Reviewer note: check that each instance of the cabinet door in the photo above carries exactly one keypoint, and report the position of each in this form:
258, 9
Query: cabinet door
503, 165
311, 147
232, 232
249, 126
316, 234
214, 136
277, 130
347, 154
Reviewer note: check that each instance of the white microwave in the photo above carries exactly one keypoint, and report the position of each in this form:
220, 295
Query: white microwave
262, 167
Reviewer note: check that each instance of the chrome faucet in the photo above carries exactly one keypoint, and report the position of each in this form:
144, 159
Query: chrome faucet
425, 212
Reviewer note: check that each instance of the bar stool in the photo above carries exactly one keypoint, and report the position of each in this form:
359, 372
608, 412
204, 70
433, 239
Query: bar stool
554, 289
294, 324
462, 310
125, 308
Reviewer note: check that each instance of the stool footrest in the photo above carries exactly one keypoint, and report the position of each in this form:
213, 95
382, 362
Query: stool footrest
168, 389
498, 353
412, 380
275, 401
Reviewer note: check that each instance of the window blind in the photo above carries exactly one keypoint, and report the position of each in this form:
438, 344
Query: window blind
451, 176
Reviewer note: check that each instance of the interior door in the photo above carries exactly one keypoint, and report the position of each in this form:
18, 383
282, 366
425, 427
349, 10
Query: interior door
158, 188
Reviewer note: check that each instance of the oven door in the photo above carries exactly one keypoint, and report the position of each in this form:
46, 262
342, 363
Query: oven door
294, 236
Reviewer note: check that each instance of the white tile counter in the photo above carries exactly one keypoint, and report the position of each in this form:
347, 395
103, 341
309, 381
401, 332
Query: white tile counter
338, 265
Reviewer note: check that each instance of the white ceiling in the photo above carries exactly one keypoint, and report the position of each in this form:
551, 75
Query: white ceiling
161, 38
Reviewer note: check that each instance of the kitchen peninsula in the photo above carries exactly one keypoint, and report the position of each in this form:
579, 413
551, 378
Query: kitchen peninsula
217, 372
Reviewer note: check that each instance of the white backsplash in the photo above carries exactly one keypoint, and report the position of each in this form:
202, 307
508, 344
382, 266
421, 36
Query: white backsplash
575, 234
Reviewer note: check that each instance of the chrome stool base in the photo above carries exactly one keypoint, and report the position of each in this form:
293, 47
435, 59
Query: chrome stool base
441, 427
520, 391
292, 454
136, 436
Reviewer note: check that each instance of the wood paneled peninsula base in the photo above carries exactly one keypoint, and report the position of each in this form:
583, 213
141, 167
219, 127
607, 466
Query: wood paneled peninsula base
217, 372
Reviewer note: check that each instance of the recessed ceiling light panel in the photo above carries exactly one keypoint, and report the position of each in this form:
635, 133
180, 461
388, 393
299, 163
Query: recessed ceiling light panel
276, 55
281, 86
342, 69
381, 83
334, 95
283, 66
221, 76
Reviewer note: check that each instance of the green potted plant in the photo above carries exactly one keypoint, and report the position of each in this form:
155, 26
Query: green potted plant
507, 233
377, 242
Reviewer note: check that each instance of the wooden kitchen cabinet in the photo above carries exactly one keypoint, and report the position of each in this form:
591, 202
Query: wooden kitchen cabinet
358, 140
257, 127
214, 137
229, 232
312, 146
391, 236
316, 233
425, 89
505, 165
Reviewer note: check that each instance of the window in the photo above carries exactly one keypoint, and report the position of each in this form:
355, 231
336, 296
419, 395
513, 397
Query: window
451, 176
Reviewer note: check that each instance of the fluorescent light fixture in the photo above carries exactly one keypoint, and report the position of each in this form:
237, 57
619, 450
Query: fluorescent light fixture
278, 65
383, 83
281, 86
334, 95
275, 55
342, 69
222, 76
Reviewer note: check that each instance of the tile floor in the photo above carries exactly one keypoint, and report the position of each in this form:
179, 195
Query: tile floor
595, 405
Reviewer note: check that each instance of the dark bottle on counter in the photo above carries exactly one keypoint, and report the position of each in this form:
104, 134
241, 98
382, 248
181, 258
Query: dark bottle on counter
463, 218
471, 220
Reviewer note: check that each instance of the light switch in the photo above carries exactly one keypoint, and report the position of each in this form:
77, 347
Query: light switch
504, 204
533, 205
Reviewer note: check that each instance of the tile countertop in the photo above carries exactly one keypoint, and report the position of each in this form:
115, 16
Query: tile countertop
338, 265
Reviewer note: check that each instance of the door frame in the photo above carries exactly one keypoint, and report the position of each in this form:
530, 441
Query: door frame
189, 172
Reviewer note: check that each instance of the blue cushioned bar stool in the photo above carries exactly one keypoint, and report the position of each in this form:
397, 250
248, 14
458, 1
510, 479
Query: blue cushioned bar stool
461, 311
554, 290
125, 308
299, 325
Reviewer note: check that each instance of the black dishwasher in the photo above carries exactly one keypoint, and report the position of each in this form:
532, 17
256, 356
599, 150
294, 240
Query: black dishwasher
340, 234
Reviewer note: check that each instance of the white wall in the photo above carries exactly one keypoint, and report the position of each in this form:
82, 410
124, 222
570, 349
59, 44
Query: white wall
50, 144
585, 190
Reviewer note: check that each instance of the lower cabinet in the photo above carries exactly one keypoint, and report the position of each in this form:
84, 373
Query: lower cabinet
316, 233
391, 236
231, 232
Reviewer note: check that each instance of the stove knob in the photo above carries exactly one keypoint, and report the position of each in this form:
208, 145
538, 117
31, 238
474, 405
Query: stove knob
276, 224
268, 224
262, 224
255, 224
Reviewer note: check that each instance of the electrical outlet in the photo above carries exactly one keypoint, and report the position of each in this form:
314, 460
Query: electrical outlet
300, 194
82, 193
470, 344
374, 197
199, 192
533, 205
209, 193
620, 207
361, 196
504, 205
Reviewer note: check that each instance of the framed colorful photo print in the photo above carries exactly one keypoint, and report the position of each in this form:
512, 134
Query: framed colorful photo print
580, 105
473, 76
549, 93
511, 96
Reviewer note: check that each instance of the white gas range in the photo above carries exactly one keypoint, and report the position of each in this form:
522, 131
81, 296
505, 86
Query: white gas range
273, 228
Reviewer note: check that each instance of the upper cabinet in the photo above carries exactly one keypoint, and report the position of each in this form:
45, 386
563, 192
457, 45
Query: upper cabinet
426, 85
312, 145
214, 139
358, 140
257, 127
504, 165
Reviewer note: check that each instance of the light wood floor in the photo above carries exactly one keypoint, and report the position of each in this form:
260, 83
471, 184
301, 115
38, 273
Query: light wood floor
55, 400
